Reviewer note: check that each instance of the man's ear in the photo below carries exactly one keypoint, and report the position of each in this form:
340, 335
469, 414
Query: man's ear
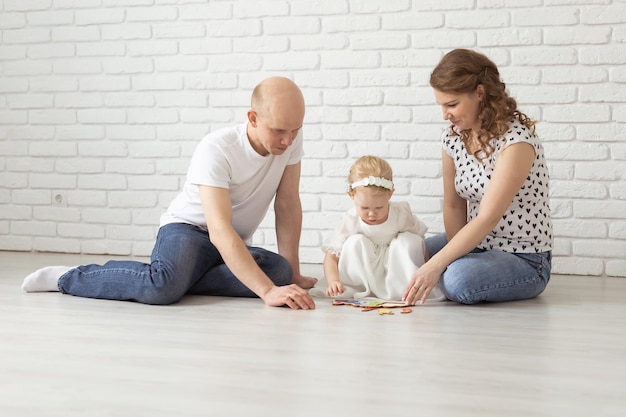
252, 117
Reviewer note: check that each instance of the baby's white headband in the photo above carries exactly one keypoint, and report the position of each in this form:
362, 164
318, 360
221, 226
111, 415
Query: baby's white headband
371, 180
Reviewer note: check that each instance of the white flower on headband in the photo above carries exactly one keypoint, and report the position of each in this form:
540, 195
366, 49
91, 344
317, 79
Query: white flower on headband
371, 180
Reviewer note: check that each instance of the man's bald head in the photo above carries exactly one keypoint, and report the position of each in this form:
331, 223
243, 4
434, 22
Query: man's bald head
275, 95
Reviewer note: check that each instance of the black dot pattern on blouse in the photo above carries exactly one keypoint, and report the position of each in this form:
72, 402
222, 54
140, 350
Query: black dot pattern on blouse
526, 226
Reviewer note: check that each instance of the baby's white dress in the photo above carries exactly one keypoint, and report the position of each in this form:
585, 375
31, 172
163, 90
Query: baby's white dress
379, 260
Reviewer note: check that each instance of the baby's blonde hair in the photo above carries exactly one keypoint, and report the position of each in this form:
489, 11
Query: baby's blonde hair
370, 166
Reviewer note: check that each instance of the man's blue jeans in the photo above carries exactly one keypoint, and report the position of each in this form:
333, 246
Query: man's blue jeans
183, 261
492, 275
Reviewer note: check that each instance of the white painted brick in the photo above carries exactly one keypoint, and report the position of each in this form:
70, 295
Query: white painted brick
106, 247
574, 36
577, 265
12, 21
578, 189
243, 10
605, 54
13, 117
58, 214
448, 5
94, 17
603, 15
29, 197
545, 94
116, 83
30, 164
147, 217
617, 230
619, 114
80, 133
79, 166
585, 75
75, 33
78, 100
126, 31
617, 190
81, 231
413, 21
50, 18
31, 101
51, 84
145, 166
317, 43
293, 25
134, 199
443, 38
22, 69
154, 182
576, 151
86, 198
15, 243
101, 116
577, 113
151, 116
618, 151
128, 100
52, 181
126, 132
343, 24
106, 216
616, 268
151, 14
214, 10
258, 45
128, 65
598, 248
178, 63
217, 45
22, 36
51, 51
24, 132
15, 212
76, 66
601, 171
129, 233
8, 52
589, 209
580, 228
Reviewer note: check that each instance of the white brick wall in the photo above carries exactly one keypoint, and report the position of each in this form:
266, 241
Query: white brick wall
103, 101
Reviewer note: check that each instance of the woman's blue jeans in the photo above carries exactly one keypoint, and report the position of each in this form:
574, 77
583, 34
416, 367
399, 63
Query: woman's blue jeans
183, 261
492, 275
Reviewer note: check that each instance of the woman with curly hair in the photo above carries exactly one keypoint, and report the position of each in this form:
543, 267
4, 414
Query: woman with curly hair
497, 244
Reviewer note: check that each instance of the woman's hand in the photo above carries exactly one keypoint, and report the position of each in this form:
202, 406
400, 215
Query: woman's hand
422, 283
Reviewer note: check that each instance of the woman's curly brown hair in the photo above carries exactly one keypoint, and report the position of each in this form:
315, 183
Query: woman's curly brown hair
460, 71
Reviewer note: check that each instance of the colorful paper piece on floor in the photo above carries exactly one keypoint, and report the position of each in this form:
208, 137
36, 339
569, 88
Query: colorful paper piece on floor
368, 303
406, 310
382, 311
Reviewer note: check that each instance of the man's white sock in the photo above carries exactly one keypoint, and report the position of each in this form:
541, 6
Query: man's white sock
45, 279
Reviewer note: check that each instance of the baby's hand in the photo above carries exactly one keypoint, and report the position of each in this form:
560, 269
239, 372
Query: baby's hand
335, 288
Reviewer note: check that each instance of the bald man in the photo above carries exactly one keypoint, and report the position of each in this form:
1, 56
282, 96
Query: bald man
203, 244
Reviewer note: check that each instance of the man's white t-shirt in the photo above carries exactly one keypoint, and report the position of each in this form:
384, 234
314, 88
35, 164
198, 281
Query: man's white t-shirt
225, 159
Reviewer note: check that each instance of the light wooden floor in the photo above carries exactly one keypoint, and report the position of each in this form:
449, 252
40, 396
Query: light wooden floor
562, 354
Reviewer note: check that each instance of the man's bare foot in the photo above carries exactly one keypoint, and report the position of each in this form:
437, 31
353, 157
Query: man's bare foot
304, 282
